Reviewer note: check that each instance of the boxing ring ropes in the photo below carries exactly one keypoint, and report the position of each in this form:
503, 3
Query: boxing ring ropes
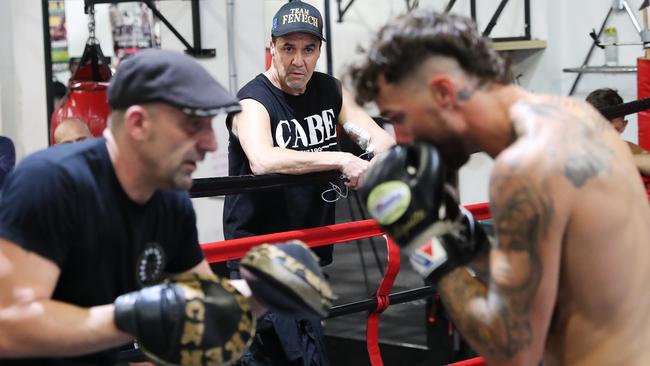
327, 235
341, 233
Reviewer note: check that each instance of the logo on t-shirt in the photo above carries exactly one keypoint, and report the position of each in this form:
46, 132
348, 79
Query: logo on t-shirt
150, 265
316, 132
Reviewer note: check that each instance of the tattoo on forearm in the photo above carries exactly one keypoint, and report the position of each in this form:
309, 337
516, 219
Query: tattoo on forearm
523, 214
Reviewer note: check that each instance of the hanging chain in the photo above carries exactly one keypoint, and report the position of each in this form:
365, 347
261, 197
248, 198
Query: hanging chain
412, 4
91, 24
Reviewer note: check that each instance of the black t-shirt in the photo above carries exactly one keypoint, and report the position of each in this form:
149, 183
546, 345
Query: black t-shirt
307, 123
66, 204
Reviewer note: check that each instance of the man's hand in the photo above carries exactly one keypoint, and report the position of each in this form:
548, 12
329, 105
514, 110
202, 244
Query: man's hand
191, 319
352, 169
406, 192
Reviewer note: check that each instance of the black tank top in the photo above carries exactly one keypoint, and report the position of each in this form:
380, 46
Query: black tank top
307, 123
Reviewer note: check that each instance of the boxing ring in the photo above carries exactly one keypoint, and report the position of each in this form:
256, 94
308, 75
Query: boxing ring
337, 234
225, 250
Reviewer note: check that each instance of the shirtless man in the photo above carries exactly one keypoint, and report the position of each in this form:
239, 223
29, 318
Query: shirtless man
570, 265
606, 97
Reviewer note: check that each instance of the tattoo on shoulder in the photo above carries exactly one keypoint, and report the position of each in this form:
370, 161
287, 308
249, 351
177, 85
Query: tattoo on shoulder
584, 154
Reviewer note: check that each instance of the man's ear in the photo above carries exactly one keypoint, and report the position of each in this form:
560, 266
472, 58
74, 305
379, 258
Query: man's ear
443, 91
137, 122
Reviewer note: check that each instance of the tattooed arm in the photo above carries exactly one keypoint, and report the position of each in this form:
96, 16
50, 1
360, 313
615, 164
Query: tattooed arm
506, 321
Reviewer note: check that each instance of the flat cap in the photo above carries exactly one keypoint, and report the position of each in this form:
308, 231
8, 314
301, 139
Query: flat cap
154, 75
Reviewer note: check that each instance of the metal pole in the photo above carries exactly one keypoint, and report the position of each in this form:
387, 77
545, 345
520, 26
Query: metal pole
162, 18
495, 17
196, 24
232, 60
472, 9
450, 5
328, 36
632, 17
591, 50
527, 19
47, 47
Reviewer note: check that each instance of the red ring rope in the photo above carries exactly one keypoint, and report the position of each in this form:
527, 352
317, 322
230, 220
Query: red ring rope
315, 237
334, 234
478, 361
383, 302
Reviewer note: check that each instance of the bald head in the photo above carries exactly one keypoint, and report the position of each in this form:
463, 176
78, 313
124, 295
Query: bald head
71, 130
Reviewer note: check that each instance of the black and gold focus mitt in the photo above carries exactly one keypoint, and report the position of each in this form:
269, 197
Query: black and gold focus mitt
190, 319
286, 278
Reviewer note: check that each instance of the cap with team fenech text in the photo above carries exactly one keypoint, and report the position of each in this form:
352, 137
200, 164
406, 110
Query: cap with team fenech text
154, 75
297, 17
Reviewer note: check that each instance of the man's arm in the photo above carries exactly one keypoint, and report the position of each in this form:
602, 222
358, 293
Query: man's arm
507, 320
33, 325
252, 126
363, 130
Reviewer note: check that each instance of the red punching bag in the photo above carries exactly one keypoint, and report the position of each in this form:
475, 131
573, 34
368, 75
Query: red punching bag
93, 65
87, 101
86, 98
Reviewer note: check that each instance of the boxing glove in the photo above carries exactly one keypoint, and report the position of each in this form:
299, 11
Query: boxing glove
286, 278
189, 319
407, 194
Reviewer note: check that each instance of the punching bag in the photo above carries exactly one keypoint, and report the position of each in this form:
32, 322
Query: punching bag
643, 91
86, 98
87, 101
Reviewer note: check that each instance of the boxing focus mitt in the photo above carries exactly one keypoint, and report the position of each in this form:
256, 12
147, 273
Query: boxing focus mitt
407, 194
286, 278
190, 319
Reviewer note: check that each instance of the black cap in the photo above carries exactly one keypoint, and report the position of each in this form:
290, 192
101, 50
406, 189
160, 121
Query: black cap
297, 17
154, 75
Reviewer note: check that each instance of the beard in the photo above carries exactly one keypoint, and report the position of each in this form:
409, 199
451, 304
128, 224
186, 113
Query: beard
453, 152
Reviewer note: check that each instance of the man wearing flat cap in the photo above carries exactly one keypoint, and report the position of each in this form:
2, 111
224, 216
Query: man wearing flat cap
81, 224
